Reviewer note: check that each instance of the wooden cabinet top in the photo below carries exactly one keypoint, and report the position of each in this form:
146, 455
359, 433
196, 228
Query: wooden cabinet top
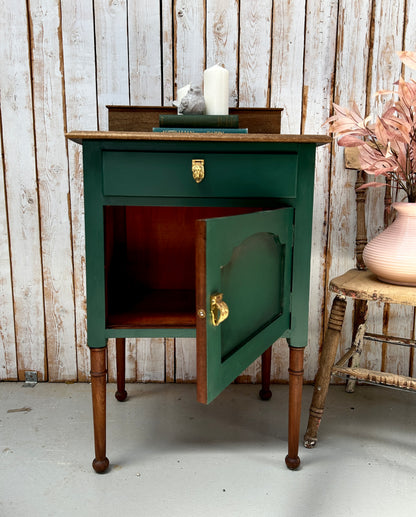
79, 136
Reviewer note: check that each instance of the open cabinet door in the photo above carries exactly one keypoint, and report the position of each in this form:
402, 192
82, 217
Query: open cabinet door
243, 277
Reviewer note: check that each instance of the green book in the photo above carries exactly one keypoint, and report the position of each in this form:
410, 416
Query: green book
204, 121
200, 130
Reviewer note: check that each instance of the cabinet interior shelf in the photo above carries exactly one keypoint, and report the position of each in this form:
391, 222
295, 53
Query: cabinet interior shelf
150, 264
161, 308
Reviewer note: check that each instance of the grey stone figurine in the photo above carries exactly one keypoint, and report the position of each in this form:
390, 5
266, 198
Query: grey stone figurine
193, 103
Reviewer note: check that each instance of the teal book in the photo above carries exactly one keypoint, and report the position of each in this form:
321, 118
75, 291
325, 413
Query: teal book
204, 121
218, 130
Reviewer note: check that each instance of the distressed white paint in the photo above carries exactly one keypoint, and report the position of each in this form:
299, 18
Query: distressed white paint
287, 62
144, 52
8, 358
222, 40
352, 41
320, 44
83, 55
255, 51
189, 48
167, 56
21, 188
385, 70
111, 47
81, 111
185, 359
53, 181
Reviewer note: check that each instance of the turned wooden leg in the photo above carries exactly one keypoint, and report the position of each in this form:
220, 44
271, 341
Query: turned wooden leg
266, 365
98, 387
359, 328
295, 405
329, 350
121, 393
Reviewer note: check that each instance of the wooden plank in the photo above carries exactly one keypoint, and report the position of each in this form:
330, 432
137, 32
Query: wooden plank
167, 52
144, 52
222, 40
150, 360
396, 359
53, 181
185, 360
252, 374
189, 42
410, 44
384, 71
351, 80
255, 51
112, 66
81, 112
286, 83
132, 352
170, 359
8, 358
146, 76
111, 49
320, 45
21, 187
280, 361
131, 360
111, 364
287, 62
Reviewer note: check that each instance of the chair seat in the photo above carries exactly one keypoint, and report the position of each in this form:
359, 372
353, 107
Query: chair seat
364, 285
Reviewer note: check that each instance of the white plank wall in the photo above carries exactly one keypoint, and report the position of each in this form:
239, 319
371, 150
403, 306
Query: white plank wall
62, 62
22, 195
352, 40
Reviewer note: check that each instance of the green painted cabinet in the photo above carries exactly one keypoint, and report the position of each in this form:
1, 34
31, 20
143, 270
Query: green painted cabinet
205, 235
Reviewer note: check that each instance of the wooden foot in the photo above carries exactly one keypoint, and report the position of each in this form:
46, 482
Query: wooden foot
121, 393
295, 405
98, 388
326, 362
266, 365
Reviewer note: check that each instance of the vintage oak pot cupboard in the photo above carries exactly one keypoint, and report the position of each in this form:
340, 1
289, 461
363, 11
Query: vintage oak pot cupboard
198, 234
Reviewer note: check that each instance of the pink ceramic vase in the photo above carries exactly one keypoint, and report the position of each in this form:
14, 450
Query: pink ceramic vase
392, 254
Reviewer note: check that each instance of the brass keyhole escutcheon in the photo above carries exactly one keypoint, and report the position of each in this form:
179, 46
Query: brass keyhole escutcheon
198, 170
219, 309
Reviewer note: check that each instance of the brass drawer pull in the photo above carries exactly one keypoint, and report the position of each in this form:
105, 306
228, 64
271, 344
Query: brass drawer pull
219, 309
198, 170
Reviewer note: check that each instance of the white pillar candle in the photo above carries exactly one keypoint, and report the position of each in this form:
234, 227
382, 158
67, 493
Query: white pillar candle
216, 90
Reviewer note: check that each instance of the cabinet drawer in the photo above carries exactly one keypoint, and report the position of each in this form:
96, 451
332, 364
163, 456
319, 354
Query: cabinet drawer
167, 174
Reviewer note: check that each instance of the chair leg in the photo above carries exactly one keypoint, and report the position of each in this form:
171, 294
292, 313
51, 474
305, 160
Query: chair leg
360, 321
98, 388
295, 405
266, 366
121, 393
323, 377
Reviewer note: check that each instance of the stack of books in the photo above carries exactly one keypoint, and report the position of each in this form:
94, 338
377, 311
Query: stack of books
199, 124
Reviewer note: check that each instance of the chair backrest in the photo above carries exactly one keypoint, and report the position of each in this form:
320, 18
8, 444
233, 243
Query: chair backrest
352, 161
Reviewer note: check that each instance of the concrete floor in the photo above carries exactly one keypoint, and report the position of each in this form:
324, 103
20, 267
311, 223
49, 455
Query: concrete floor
174, 457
